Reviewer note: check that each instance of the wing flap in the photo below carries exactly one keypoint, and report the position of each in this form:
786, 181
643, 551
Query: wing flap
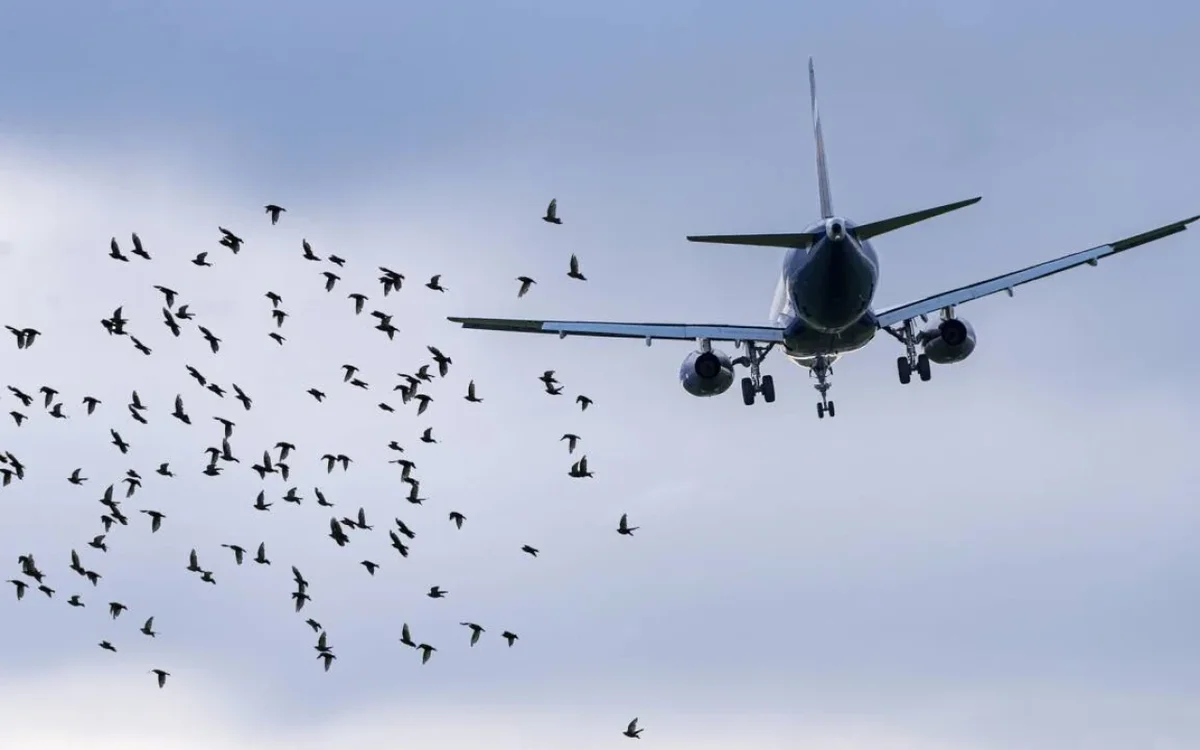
1007, 282
647, 331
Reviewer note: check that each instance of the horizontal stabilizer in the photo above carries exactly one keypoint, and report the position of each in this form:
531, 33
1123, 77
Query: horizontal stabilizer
799, 239
876, 228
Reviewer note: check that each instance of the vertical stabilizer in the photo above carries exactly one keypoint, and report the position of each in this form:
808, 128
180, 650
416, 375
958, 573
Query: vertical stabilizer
822, 172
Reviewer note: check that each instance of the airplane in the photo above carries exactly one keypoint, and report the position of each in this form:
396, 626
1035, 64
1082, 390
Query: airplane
823, 302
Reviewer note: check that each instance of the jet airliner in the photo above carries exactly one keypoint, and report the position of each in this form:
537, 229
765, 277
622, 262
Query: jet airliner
823, 302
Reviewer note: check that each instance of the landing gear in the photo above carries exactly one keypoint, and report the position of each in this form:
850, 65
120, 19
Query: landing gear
757, 382
821, 370
911, 361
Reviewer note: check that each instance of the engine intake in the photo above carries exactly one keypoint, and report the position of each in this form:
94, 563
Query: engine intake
950, 341
706, 373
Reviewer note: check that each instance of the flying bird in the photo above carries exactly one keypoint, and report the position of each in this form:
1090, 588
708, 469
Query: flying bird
273, 211
551, 216
526, 283
574, 272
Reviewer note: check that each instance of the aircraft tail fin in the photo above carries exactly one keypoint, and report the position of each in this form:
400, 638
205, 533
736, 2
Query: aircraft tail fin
883, 226
822, 169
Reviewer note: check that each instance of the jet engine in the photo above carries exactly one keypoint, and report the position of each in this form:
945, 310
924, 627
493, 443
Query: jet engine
949, 341
706, 373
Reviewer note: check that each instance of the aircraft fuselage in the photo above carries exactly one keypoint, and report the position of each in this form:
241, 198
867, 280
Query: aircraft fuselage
825, 293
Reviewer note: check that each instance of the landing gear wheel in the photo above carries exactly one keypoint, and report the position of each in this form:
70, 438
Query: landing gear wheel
756, 383
829, 408
768, 389
923, 368
904, 370
820, 411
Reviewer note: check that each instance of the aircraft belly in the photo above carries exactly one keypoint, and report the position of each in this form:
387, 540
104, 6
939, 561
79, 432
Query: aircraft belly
803, 342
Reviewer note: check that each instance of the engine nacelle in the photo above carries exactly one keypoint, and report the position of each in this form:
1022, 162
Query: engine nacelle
706, 373
950, 341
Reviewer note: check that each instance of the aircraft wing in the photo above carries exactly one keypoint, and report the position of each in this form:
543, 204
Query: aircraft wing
1008, 281
647, 331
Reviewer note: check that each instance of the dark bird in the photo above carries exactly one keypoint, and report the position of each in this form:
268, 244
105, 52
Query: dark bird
426, 651
551, 216
457, 518
170, 322
571, 441
574, 272
214, 343
623, 526
554, 391
241, 396
114, 251
526, 282
75, 478
276, 300
318, 395
336, 533
277, 337
279, 316
140, 346
138, 250
583, 401
443, 362
427, 436
349, 370
273, 211
316, 626
168, 294
632, 730
471, 394
162, 677
148, 627
424, 399
230, 240
179, 413
328, 657
165, 470
406, 636
117, 441
21, 586
359, 301
156, 519
476, 631
183, 314
435, 283
510, 637
116, 608
331, 278
335, 260
370, 566
308, 251
579, 469
239, 553
261, 556
533, 551
91, 404
108, 646
436, 592
201, 260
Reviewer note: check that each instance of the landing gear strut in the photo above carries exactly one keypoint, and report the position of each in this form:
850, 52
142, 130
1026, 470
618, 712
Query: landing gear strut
757, 382
821, 370
911, 360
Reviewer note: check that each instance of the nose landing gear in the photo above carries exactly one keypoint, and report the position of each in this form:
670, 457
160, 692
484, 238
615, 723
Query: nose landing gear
821, 370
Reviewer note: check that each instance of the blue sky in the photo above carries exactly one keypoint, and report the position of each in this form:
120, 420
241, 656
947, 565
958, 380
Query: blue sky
1001, 557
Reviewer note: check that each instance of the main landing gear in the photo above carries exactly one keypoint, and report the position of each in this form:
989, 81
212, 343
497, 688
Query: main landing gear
905, 365
757, 382
821, 370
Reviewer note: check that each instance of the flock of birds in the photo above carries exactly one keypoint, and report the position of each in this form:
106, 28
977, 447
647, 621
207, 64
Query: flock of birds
274, 461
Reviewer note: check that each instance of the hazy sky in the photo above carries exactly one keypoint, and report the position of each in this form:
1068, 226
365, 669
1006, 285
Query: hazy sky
1004, 557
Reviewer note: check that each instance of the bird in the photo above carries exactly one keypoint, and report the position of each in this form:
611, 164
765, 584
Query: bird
531, 551
632, 730
510, 637
571, 439
526, 283
476, 630
138, 250
435, 283
443, 362
148, 627
623, 527
574, 272
471, 394
583, 401
426, 651
435, 592
273, 211
162, 676
457, 518
551, 216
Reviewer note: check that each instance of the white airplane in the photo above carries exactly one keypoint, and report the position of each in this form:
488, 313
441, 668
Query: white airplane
823, 302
